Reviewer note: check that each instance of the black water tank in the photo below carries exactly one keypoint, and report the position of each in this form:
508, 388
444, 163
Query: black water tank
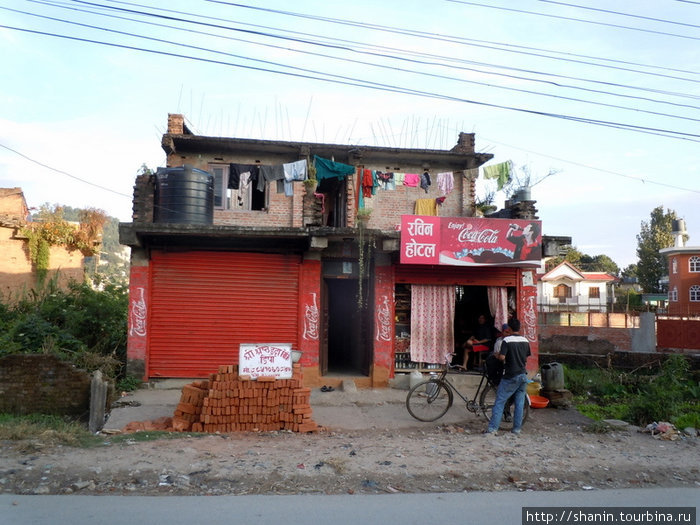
184, 195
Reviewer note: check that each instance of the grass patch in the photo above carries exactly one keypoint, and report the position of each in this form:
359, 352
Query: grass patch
41, 431
668, 393
37, 432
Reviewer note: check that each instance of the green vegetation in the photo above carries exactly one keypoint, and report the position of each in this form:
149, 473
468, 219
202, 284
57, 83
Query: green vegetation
654, 236
37, 432
670, 393
80, 325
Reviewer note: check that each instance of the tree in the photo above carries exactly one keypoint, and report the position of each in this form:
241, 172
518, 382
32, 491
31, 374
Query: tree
655, 235
630, 271
599, 263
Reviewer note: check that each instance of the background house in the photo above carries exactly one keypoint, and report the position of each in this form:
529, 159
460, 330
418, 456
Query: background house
566, 288
17, 274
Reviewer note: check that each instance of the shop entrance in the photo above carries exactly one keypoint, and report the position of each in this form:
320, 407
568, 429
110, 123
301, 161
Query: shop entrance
472, 301
346, 349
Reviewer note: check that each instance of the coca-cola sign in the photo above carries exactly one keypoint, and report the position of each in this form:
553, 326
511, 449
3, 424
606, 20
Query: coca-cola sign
459, 241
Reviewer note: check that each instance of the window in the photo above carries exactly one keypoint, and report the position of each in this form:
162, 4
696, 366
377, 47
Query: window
562, 291
673, 294
695, 293
694, 264
594, 292
674, 263
246, 198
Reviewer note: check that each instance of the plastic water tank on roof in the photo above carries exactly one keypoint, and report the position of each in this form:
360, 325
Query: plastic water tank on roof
184, 195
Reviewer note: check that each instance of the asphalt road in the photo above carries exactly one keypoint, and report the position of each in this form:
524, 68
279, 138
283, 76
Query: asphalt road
495, 508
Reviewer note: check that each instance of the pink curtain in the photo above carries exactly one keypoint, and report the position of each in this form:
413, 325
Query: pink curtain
432, 322
498, 305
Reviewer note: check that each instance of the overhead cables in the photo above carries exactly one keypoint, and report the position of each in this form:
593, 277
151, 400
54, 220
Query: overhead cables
339, 79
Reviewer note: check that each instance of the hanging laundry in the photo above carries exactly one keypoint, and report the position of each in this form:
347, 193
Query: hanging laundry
440, 200
426, 207
236, 170
367, 183
295, 170
270, 174
446, 182
411, 179
501, 172
425, 181
399, 178
386, 180
328, 169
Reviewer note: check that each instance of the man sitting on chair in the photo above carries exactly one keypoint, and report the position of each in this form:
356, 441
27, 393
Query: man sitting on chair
479, 342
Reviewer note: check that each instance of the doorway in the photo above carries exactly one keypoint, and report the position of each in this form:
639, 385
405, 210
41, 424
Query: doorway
346, 349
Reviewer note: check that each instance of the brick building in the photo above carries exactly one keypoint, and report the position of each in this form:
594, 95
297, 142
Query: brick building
683, 276
250, 255
17, 275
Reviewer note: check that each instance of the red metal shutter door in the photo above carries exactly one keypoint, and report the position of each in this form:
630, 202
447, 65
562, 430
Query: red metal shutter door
205, 304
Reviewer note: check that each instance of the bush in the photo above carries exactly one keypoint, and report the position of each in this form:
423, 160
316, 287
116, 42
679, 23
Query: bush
641, 397
83, 326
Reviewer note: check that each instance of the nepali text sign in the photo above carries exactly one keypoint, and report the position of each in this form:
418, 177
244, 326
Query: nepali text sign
265, 359
461, 241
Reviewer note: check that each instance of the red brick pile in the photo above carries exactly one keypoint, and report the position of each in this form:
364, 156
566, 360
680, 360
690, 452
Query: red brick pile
229, 402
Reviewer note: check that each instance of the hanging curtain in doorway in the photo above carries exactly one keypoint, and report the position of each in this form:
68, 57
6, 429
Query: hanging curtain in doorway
498, 305
432, 322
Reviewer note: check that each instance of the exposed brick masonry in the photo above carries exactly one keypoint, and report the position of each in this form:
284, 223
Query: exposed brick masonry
34, 383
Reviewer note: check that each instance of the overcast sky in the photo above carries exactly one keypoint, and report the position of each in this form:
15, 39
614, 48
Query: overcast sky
604, 97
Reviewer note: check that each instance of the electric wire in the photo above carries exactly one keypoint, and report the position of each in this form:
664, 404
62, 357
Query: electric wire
572, 19
422, 73
64, 172
588, 8
339, 79
382, 28
612, 84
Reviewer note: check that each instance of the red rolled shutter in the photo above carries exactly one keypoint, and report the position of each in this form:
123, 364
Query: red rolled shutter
205, 304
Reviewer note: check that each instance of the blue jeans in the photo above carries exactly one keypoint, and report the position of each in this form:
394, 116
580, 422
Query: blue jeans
506, 388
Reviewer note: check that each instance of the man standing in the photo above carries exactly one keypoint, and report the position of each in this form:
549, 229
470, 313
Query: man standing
515, 350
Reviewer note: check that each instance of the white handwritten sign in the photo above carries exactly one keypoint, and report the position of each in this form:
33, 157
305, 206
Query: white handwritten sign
265, 359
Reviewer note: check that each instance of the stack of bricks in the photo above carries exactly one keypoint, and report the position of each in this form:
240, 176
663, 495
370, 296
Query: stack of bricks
230, 402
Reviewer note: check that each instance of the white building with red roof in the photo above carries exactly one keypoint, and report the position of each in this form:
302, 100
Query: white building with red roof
566, 288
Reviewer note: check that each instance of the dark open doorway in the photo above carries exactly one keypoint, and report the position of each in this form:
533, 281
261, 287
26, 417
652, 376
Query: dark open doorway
347, 348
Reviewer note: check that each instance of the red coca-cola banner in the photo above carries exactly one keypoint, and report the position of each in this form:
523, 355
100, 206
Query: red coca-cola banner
461, 241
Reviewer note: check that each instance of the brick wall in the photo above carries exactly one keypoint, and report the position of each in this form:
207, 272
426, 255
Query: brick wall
42, 384
584, 339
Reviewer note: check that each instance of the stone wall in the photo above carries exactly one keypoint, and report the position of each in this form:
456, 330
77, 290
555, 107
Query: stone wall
43, 384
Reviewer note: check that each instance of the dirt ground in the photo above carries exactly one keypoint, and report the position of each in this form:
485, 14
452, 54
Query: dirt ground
553, 453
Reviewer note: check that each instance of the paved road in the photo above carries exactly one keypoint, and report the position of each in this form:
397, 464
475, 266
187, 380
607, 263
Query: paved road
501, 508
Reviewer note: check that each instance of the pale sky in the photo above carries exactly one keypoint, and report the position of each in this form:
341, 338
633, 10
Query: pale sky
79, 117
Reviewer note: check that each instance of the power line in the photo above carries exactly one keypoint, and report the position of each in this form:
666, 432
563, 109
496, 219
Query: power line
423, 73
572, 19
64, 172
450, 38
603, 170
339, 79
619, 13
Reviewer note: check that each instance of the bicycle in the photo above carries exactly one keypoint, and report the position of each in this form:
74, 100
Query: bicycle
431, 399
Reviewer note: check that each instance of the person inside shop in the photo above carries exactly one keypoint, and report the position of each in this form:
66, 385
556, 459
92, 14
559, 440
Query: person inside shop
479, 342
515, 350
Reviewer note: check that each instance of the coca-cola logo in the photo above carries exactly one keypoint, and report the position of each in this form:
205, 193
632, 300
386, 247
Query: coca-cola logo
485, 236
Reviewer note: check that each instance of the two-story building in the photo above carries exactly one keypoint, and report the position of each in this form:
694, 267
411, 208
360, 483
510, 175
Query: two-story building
683, 275
566, 288
229, 247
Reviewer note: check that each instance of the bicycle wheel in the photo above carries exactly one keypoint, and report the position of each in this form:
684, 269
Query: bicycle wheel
429, 400
487, 400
